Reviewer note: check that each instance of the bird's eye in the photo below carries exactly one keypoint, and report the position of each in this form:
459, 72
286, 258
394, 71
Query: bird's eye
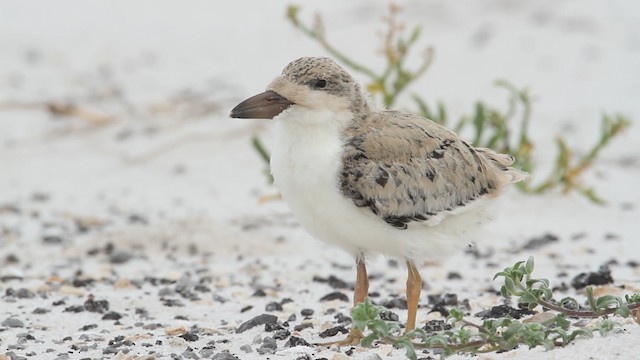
320, 84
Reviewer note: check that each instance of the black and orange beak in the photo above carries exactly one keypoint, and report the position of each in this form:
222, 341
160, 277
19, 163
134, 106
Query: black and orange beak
266, 105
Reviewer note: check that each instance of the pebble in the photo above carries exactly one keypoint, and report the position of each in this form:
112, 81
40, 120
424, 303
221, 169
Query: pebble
112, 315
12, 323
503, 310
336, 295
258, 320
333, 331
224, 356
601, 277
40, 311
540, 241
273, 306
388, 315
189, 354
296, 341
246, 348
306, 312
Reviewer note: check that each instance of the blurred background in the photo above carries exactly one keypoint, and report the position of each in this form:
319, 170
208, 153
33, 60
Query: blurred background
114, 134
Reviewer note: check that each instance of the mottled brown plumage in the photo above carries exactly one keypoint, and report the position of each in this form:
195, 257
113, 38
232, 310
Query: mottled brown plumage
406, 168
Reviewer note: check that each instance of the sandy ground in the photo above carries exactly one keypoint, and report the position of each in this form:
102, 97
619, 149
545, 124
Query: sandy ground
136, 229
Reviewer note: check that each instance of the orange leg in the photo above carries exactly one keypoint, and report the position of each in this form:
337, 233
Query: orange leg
414, 286
360, 293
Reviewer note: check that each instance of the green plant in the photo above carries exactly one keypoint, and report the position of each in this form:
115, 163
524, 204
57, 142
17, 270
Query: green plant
504, 333
500, 129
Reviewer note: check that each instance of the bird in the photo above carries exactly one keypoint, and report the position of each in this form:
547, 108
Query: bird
373, 181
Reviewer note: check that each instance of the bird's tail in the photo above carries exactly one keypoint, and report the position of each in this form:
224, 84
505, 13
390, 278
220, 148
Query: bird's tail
504, 162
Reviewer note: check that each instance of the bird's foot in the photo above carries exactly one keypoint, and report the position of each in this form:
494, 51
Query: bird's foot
353, 338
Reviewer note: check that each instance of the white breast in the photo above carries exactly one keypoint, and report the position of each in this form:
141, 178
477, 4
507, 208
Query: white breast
306, 163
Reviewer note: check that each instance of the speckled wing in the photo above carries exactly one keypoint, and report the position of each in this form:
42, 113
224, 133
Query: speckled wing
405, 168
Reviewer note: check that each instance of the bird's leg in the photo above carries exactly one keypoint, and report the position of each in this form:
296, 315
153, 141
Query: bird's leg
414, 286
360, 293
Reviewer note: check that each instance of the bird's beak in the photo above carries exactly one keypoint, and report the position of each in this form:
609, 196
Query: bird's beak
262, 106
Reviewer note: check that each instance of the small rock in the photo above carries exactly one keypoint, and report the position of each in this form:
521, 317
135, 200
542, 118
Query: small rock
504, 310
336, 295
395, 303
306, 312
40, 311
436, 325
333, 331
388, 315
281, 334
246, 348
258, 320
601, 277
296, 341
540, 241
189, 354
224, 356
190, 336
120, 257
12, 323
98, 306
273, 306
112, 315
303, 326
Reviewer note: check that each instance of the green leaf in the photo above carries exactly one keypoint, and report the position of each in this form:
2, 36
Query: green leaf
368, 340
529, 265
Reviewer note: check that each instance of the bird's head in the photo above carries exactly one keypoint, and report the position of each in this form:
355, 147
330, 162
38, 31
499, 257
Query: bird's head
309, 83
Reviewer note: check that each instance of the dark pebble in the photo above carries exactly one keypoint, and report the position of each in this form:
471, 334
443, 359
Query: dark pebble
504, 310
454, 275
246, 308
296, 341
258, 320
388, 315
82, 282
224, 356
443, 299
292, 318
189, 354
273, 306
138, 219
190, 336
286, 301
336, 295
246, 348
281, 334
171, 302
601, 277
306, 312
540, 241
206, 352
24, 294
332, 281
74, 308
98, 306
633, 264
12, 323
302, 326
88, 327
439, 309
436, 325
333, 331
120, 257
304, 357
259, 293
270, 343
112, 315
395, 303
342, 318
271, 327
52, 239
